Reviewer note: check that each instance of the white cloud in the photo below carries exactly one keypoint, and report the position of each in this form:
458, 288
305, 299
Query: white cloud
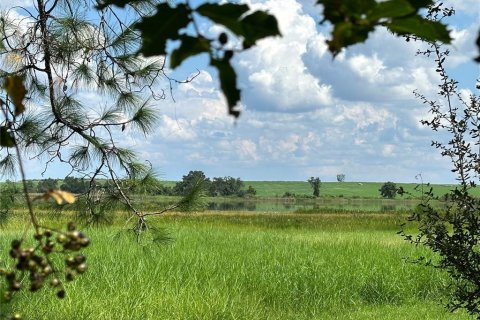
388, 150
15, 3
463, 45
468, 7
273, 74
306, 114
367, 68
179, 129
363, 115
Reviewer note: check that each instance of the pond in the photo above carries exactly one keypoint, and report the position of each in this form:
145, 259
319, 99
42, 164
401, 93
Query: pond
322, 205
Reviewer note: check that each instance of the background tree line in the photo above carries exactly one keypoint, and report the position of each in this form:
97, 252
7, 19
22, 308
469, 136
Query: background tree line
216, 186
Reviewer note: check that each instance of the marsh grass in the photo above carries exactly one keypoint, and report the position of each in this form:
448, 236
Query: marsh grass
249, 266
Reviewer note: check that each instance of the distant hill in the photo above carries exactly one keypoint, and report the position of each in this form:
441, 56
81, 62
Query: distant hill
336, 189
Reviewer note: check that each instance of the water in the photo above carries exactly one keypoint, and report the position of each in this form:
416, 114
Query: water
289, 205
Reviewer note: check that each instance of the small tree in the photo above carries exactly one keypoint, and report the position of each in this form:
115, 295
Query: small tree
388, 190
453, 232
340, 177
315, 183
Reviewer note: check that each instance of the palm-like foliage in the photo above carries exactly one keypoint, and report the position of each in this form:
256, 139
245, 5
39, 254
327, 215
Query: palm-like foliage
64, 51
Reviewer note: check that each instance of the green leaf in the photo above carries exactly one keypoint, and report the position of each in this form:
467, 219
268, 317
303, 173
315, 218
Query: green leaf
162, 26
354, 19
8, 165
228, 83
258, 25
337, 11
420, 27
252, 27
227, 14
391, 9
6, 139
190, 46
145, 118
345, 34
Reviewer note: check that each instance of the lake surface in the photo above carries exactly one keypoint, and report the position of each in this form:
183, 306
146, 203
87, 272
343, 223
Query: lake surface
288, 205
297, 205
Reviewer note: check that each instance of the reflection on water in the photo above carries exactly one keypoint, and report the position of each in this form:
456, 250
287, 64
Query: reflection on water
232, 206
289, 205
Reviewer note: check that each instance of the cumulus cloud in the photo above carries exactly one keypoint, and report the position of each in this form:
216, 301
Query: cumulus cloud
305, 114
273, 74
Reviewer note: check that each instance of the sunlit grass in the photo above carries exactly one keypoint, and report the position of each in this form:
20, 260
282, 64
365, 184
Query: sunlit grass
250, 266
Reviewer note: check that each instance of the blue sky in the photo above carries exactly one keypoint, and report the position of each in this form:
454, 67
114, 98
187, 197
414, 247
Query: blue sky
305, 114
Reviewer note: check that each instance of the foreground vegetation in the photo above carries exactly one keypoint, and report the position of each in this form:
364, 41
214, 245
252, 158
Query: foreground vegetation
247, 266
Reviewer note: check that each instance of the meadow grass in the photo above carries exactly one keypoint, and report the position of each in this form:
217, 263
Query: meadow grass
341, 189
271, 189
248, 266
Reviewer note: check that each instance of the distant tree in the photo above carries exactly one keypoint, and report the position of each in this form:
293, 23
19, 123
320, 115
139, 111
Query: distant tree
388, 190
189, 181
75, 185
46, 184
315, 183
340, 177
226, 186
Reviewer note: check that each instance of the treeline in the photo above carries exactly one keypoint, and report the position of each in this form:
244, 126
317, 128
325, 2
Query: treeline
217, 186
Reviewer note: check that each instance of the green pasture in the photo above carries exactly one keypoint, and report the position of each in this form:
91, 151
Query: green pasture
247, 266
340, 189
271, 189
349, 190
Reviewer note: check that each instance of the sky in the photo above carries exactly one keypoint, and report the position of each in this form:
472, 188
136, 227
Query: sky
306, 114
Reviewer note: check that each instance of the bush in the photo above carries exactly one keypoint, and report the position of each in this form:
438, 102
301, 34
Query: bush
251, 192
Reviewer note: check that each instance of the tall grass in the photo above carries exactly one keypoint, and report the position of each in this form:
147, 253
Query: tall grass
249, 266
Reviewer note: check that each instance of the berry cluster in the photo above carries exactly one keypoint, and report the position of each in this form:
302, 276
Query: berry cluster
36, 263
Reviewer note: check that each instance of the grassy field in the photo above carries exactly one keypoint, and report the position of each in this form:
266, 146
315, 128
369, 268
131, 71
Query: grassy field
249, 266
335, 189
349, 190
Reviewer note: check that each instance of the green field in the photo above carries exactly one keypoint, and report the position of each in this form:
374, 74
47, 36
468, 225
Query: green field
350, 190
339, 189
336, 189
248, 266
